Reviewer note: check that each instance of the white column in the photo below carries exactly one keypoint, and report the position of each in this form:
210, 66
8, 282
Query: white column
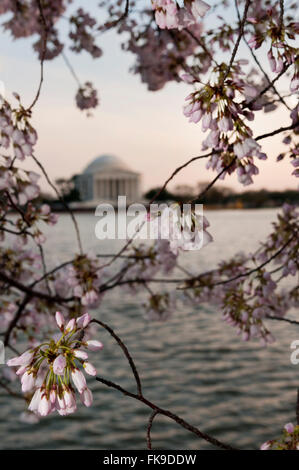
114, 189
134, 189
128, 189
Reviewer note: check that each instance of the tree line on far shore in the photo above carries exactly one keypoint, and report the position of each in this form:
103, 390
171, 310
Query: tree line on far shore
218, 197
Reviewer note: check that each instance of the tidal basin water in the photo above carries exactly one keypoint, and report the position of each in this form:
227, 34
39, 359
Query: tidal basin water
194, 365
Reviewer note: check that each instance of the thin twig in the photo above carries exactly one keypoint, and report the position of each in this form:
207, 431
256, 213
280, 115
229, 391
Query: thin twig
281, 3
176, 171
201, 43
251, 271
43, 55
169, 414
287, 320
241, 32
16, 318
126, 353
278, 131
39, 245
66, 206
71, 69
247, 104
149, 428
140, 397
122, 17
11, 392
259, 64
33, 293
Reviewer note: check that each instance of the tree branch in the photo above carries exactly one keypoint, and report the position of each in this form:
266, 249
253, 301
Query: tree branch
149, 428
43, 55
241, 32
125, 351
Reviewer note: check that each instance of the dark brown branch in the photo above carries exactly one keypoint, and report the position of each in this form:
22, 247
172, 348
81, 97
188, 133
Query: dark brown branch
176, 171
287, 320
260, 137
169, 414
281, 3
201, 43
241, 32
208, 187
16, 318
33, 293
140, 397
65, 205
11, 392
43, 55
251, 271
149, 428
260, 65
39, 245
258, 268
278, 131
49, 273
125, 351
247, 104
112, 24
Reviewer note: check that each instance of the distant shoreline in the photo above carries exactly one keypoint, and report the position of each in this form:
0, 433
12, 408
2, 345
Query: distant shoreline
206, 207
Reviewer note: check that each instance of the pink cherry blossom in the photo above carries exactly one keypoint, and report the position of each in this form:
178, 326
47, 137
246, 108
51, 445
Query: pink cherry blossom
94, 345
59, 365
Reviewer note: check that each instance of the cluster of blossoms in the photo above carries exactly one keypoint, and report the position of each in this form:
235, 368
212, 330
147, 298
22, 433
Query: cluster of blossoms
36, 320
248, 300
216, 107
267, 25
19, 189
288, 441
22, 185
160, 307
87, 97
26, 21
168, 15
50, 372
15, 129
82, 36
160, 58
292, 145
174, 232
144, 262
83, 277
185, 230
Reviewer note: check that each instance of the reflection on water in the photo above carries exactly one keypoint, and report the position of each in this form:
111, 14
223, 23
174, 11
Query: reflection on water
194, 365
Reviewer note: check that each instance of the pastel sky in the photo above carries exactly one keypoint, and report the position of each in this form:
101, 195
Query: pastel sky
147, 130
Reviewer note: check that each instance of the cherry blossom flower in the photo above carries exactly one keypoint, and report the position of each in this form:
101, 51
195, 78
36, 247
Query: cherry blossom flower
288, 441
50, 371
87, 97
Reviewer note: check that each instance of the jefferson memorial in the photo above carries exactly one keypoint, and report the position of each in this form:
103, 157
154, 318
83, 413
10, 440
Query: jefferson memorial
106, 178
